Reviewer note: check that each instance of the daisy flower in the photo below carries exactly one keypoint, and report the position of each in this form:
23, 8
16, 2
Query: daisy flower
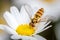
18, 25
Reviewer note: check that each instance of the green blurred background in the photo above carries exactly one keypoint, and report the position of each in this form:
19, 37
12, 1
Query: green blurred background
4, 5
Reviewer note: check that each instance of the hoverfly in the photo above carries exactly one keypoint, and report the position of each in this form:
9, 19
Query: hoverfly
37, 17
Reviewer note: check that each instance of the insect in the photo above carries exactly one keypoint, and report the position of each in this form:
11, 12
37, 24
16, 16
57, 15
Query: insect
36, 17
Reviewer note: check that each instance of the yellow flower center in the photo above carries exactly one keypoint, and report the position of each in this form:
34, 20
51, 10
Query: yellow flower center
25, 29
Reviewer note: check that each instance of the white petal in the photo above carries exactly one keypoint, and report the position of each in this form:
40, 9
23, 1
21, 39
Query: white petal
15, 37
39, 37
29, 10
7, 29
10, 20
41, 26
46, 28
42, 30
24, 15
23, 37
21, 17
15, 12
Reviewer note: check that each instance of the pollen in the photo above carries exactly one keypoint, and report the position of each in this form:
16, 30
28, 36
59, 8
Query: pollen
25, 29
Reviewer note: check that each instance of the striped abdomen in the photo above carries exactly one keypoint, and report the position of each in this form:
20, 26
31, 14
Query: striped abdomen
37, 16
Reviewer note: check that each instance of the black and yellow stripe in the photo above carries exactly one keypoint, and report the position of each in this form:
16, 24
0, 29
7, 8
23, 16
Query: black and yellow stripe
37, 16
